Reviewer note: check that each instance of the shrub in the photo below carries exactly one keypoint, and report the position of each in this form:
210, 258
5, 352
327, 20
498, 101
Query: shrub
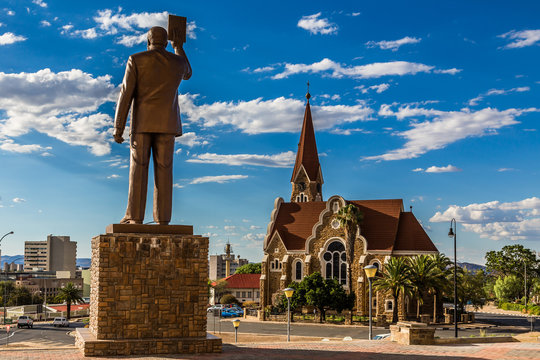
228, 299
250, 305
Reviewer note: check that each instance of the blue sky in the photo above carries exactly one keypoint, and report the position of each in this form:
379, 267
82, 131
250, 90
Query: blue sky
433, 103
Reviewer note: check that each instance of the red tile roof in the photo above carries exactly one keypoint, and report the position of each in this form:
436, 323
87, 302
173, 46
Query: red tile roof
411, 235
73, 307
307, 154
242, 281
382, 225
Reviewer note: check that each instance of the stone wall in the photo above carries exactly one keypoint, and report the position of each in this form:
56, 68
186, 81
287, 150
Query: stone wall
148, 295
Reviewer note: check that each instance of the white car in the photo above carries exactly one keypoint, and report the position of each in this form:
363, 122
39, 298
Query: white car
60, 321
25, 321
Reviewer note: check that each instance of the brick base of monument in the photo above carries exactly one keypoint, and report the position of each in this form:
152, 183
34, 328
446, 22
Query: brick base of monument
148, 295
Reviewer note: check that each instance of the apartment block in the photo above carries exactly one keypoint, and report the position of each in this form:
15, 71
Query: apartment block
57, 253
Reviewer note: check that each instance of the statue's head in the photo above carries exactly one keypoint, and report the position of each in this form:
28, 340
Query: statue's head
157, 37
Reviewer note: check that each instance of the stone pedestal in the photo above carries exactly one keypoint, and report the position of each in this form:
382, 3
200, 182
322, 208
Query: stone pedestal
412, 333
148, 294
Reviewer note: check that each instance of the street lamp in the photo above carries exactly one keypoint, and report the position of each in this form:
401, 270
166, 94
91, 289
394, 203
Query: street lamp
236, 324
452, 233
5, 284
289, 293
370, 270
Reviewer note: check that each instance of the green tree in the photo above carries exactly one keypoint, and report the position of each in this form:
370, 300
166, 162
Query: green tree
507, 288
228, 299
19, 296
444, 279
512, 259
253, 268
220, 288
395, 279
349, 218
70, 295
424, 276
6, 287
471, 288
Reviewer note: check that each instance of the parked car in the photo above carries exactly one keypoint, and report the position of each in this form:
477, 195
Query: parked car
381, 337
214, 307
226, 313
25, 321
60, 322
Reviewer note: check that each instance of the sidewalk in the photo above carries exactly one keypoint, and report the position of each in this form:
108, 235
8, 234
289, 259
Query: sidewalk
326, 350
491, 309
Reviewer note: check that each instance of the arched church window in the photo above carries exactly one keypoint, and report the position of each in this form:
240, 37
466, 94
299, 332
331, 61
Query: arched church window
301, 198
298, 270
335, 262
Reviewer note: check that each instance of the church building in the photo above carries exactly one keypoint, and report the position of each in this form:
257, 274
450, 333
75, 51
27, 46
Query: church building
304, 236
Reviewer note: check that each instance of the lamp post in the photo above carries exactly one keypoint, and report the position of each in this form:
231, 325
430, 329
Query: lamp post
289, 293
5, 285
370, 270
452, 233
236, 324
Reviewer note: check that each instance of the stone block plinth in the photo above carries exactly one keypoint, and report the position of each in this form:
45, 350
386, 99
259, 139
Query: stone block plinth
412, 333
148, 295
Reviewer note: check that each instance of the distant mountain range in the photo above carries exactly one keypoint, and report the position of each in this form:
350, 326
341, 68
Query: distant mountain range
471, 267
19, 259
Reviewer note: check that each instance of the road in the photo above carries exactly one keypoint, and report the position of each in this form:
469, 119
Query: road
42, 332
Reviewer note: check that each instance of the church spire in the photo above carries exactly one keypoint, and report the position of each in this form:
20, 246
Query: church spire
307, 177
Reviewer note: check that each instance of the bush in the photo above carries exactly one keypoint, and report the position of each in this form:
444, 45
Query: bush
250, 305
228, 299
531, 309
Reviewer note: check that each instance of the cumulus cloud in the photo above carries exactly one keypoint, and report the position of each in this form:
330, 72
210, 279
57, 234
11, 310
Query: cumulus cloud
285, 159
317, 25
129, 30
378, 88
220, 179
10, 146
347, 132
334, 69
10, 38
393, 45
520, 39
45, 23
268, 116
491, 92
61, 105
442, 169
518, 220
18, 200
191, 139
254, 240
113, 176
445, 128
41, 3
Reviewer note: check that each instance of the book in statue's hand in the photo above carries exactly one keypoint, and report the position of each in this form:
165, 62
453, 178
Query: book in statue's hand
177, 29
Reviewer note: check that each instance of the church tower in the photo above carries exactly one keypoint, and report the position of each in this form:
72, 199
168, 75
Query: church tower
307, 177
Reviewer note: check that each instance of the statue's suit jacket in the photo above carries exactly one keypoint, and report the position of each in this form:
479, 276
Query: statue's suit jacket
151, 83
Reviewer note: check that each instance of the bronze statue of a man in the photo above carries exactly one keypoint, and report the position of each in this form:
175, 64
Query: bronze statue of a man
150, 88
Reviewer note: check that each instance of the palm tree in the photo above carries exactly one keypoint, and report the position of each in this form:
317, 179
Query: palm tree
69, 294
443, 283
395, 278
424, 276
349, 218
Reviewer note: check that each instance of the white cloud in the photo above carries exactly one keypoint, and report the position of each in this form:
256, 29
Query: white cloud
263, 69
519, 220
220, 179
506, 169
317, 25
229, 227
375, 70
378, 88
18, 200
254, 227
285, 159
61, 105
446, 127
452, 71
253, 240
355, 13
191, 139
334, 97
442, 169
41, 3
129, 30
10, 38
491, 92
269, 116
418, 170
347, 132
521, 38
113, 176
10, 12
10, 146
45, 23
393, 45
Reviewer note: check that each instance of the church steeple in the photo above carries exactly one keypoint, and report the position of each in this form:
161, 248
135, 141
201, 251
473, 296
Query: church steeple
307, 178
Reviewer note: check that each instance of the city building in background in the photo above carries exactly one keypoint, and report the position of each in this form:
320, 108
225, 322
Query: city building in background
224, 265
48, 286
244, 287
57, 253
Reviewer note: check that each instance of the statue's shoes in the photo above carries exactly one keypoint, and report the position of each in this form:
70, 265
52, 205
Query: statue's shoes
126, 220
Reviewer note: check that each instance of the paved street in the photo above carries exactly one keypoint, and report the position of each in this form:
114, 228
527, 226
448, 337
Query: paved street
42, 333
